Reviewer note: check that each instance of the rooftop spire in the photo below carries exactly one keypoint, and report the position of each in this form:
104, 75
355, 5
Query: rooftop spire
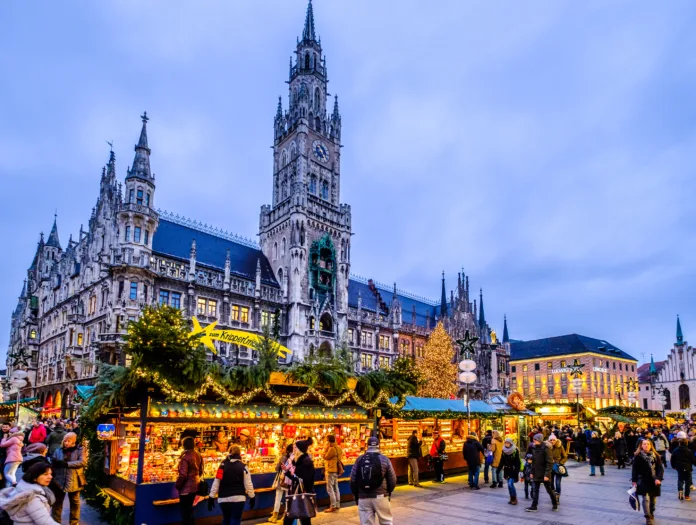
279, 113
141, 162
482, 316
506, 337
308, 32
443, 299
653, 369
53, 236
680, 337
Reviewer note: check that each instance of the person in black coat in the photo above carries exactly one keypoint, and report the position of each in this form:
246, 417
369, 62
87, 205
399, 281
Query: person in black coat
542, 464
683, 462
510, 461
304, 471
596, 448
580, 445
414, 452
472, 455
620, 449
646, 475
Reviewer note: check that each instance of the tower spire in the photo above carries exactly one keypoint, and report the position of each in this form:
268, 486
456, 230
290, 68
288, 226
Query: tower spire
653, 369
506, 337
53, 236
141, 162
443, 299
680, 336
482, 316
308, 32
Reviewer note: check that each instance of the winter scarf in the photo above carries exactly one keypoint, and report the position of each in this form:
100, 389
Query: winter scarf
508, 451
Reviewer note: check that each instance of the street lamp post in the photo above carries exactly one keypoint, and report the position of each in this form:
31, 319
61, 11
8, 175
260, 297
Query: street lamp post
576, 374
467, 367
19, 381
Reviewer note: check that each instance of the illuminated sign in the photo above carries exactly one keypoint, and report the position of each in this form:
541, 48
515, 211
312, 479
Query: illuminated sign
565, 370
599, 369
553, 410
603, 419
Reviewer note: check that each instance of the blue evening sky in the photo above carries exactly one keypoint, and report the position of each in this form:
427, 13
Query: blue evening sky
547, 147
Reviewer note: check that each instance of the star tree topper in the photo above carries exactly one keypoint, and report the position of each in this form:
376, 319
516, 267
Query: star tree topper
466, 345
576, 369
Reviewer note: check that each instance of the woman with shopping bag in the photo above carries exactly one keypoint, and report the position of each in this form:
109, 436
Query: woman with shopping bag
646, 475
301, 501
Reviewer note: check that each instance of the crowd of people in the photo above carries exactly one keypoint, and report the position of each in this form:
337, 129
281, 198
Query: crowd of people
40, 465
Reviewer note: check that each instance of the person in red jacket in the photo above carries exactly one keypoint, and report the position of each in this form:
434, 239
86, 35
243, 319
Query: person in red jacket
38, 433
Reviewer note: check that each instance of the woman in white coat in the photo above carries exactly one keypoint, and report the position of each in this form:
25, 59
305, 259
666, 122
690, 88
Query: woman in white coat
29, 503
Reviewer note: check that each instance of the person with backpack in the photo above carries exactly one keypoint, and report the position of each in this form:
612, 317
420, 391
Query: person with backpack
372, 481
333, 468
29, 503
511, 468
437, 450
231, 487
683, 462
472, 452
414, 452
485, 442
540, 474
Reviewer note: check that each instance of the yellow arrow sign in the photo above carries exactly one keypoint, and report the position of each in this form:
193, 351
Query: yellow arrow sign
237, 337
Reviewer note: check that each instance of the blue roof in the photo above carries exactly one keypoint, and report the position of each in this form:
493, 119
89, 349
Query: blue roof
369, 302
174, 239
429, 404
564, 345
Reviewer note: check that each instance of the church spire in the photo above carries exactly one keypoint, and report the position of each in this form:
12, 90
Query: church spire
53, 241
680, 337
506, 336
443, 299
482, 316
653, 369
308, 32
141, 162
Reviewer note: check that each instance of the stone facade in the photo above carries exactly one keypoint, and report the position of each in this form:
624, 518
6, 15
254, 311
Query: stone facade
77, 300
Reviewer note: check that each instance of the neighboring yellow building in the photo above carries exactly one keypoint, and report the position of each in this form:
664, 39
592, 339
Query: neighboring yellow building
540, 371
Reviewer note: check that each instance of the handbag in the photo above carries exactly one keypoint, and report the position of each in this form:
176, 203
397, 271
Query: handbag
300, 505
633, 500
203, 489
560, 470
277, 480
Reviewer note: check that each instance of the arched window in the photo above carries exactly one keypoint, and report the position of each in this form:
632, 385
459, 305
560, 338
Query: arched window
668, 400
326, 323
311, 323
282, 246
325, 350
280, 277
306, 61
275, 251
313, 185
284, 159
325, 190
293, 150
684, 397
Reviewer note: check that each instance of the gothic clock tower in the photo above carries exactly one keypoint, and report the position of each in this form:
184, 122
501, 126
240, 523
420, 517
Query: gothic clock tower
305, 233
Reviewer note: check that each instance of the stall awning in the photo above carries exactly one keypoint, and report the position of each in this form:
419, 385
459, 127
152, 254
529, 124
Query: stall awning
428, 404
84, 391
23, 402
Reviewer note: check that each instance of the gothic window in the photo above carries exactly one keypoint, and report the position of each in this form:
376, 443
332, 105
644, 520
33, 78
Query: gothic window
136, 234
324, 190
311, 120
139, 198
302, 234
280, 276
131, 196
325, 349
326, 323
306, 61
293, 150
133, 291
127, 233
668, 400
147, 237
275, 251
313, 185
317, 124
284, 190
284, 158
317, 100
147, 199
282, 246
684, 397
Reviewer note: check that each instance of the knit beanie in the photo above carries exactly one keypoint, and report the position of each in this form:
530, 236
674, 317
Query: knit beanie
36, 448
539, 437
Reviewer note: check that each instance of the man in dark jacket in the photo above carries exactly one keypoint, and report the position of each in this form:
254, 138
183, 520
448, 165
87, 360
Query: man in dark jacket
55, 439
374, 504
472, 455
414, 452
485, 443
542, 464
683, 462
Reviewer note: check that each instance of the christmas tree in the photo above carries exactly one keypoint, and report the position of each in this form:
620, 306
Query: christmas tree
437, 369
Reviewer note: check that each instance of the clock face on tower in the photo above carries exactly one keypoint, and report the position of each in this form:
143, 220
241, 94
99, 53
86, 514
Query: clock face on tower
320, 151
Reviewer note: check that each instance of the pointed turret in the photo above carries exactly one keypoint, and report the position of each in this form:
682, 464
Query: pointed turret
141, 161
482, 315
308, 31
279, 111
653, 369
680, 336
443, 299
53, 241
506, 337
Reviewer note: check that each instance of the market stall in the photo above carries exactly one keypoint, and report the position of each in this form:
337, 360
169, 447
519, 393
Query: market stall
27, 411
262, 431
448, 416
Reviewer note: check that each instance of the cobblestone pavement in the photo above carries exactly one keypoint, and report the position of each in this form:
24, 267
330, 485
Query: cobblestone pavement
88, 515
585, 501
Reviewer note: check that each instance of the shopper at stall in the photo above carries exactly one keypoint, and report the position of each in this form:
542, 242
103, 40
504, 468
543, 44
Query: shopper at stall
38, 432
372, 487
437, 450
281, 484
540, 474
304, 472
333, 456
683, 462
646, 475
559, 456
496, 448
68, 464
511, 468
231, 486
485, 442
414, 452
472, 452
596, 448
13, 444
30, 502
190, 471
620, 449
